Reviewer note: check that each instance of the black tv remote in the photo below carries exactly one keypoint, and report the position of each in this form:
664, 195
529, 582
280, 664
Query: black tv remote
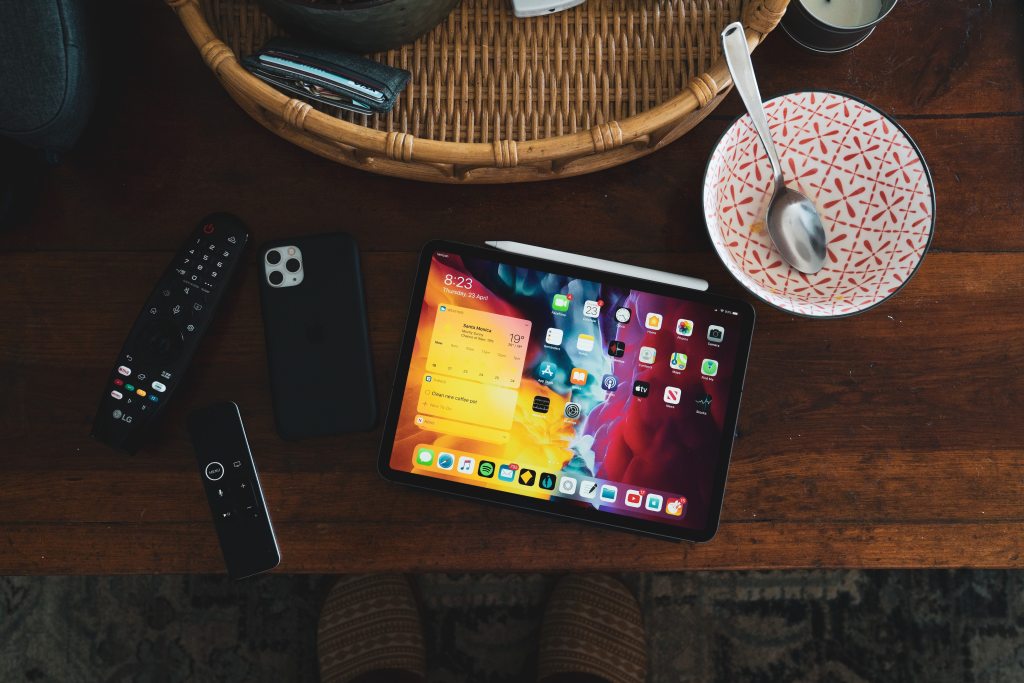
164, 338
233, 490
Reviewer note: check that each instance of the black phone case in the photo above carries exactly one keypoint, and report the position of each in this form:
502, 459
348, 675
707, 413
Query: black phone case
318, 346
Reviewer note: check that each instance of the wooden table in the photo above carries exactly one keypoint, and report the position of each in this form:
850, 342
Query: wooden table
891, 439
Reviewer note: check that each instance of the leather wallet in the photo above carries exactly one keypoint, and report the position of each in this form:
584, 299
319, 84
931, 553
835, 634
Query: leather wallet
327, 76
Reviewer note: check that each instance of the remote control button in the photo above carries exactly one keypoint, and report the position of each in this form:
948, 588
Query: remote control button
214, 471
117, 414
141, 392
236, 464
153, 398
117, 394
165, 375
118, 382
232, 240
163, 339
124, 370
129, 387
208, 229
159, 386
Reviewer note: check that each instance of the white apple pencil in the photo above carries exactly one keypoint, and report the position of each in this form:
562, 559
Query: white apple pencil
601, 264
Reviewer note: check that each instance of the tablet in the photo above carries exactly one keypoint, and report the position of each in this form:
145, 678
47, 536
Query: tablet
570, 391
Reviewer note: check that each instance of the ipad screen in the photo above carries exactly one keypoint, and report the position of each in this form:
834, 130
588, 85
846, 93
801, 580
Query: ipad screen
571, 391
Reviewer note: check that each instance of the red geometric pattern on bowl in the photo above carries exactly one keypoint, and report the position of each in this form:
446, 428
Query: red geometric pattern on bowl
863, 173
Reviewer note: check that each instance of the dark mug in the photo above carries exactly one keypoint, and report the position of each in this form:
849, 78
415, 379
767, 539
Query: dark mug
833, 25
360, 25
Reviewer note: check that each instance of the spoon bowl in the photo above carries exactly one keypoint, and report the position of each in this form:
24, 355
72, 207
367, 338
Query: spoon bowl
796, 230
792, 220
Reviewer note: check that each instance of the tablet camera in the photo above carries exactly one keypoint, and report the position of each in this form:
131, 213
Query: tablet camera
283, 267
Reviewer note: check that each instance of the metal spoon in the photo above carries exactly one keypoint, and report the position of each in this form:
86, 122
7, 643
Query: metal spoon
793, 223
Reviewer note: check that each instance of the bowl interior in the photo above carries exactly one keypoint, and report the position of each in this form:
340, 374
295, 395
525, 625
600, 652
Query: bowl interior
868, 181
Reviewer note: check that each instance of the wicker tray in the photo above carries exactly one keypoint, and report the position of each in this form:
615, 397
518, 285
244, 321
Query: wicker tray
496, 99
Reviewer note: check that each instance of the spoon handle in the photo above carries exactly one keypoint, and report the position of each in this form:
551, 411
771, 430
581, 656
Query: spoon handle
734, 42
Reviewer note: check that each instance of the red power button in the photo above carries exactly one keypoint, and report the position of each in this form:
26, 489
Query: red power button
208, 228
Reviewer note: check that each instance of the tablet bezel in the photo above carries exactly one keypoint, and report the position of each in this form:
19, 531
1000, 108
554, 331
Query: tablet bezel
551, 506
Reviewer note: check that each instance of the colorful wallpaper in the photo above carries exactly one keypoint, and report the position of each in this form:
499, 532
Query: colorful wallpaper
533, 373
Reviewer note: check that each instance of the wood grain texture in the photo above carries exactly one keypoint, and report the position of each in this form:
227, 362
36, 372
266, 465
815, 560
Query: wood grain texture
890, 439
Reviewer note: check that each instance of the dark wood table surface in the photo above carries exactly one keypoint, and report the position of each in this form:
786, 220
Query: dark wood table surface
890, 439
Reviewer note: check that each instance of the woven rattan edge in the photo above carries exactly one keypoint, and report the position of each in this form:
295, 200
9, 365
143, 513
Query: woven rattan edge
394, 153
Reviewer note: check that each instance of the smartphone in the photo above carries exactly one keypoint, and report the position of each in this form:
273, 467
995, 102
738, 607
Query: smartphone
318, 344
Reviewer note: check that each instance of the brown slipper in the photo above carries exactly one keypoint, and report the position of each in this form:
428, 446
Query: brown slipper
593, 626
370, 623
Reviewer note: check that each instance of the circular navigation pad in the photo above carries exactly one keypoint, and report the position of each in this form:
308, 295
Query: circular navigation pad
162, 338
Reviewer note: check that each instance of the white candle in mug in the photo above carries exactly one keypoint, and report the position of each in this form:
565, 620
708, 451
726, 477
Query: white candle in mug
844, 13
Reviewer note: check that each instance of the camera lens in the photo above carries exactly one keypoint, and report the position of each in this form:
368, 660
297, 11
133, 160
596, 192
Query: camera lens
273, 257
292, 265
276, 277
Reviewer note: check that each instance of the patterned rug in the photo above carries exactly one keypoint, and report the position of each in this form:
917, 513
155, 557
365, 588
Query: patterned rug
821, 626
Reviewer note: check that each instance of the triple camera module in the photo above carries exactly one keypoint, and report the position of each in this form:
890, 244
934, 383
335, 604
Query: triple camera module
282, 266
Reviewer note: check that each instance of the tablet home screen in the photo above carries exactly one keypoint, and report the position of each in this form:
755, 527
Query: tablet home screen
552, 387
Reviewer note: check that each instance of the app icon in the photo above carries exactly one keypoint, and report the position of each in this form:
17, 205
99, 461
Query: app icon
641, 389
609, 493
653, 321
466, 464
677, 361
654, 502
445, 461
648, 354
546, 481
572, 410
485, 469
425, 457
609, 382
673, 395
546, 371
578, 376
623, 315
506, 473
709, 367
676, 506
633, 498
592, 309
684, 327
716, 333
541, 404
553, 337
588, 488
560, 302
704, 403
527, 477
567, 485
585, 342
616, 349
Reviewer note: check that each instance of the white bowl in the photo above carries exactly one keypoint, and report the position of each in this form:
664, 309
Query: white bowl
868, 180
